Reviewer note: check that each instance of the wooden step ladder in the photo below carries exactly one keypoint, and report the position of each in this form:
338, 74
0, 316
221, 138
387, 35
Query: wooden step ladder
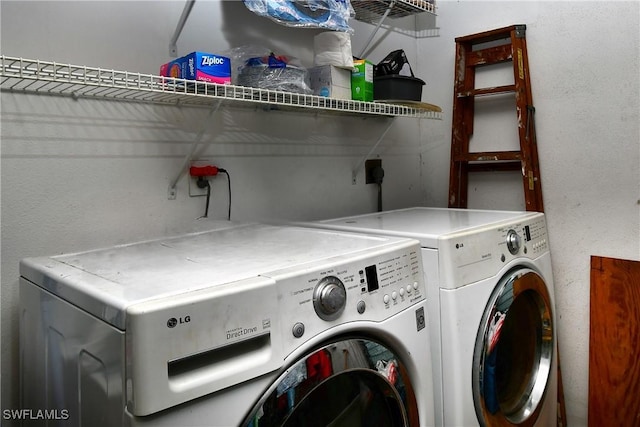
470, 54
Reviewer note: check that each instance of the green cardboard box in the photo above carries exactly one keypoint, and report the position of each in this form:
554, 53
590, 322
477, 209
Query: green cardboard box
362, 80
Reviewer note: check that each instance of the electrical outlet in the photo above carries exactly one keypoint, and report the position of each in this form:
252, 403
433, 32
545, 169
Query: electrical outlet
194, 190
371, 167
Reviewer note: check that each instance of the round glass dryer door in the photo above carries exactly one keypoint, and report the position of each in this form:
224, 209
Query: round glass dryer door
347, 383
513, 351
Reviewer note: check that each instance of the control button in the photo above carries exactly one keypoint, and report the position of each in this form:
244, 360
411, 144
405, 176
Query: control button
386, 299
409, 288
361, 307
329, 298
401, 292
415, 285
298, 330
394, 295
513, 242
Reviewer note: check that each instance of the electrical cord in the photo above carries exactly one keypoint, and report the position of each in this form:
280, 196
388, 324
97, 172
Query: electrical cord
224, 171
204, 183
378, 177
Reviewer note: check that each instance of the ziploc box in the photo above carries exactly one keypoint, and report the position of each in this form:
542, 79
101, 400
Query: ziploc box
330, 81
202, 66
362, 80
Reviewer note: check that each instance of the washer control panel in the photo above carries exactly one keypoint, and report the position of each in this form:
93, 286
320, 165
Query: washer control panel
371, 288
528, 238
477, 254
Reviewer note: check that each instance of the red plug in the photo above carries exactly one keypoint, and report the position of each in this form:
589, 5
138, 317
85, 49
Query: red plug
201, 171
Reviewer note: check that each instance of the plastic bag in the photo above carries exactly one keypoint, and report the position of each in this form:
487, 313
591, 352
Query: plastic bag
239, 56
263, 69
389, 369
328, 14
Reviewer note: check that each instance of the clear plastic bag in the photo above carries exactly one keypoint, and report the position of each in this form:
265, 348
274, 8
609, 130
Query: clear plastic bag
261, 68
328, 14
389, 369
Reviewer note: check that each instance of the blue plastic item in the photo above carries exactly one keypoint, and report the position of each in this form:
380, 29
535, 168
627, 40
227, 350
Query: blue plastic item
327, 14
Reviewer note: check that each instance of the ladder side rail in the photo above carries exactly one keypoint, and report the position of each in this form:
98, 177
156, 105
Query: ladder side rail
525, 111
462, 127
530, 136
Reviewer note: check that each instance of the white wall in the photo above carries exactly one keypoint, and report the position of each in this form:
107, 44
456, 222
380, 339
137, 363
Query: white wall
584, 64
81, 174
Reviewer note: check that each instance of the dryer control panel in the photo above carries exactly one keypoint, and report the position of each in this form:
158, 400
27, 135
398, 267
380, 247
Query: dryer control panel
369, 289
475, 255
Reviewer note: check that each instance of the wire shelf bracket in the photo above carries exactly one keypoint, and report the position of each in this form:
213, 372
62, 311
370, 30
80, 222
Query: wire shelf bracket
377, 11
173, 44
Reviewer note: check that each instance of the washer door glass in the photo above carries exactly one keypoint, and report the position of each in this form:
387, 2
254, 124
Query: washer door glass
349, 383
513, 351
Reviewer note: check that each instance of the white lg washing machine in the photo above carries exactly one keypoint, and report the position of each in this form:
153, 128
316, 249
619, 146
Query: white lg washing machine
245, 325
490, 299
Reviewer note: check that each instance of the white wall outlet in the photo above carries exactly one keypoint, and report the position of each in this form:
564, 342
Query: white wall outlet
194, 190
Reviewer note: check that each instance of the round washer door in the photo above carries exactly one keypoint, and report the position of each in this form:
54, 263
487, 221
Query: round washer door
347, 383
513, 352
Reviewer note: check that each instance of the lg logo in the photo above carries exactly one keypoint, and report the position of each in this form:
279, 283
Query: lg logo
173, 322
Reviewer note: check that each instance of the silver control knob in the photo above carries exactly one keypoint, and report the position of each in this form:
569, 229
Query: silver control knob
329, 298
513, 242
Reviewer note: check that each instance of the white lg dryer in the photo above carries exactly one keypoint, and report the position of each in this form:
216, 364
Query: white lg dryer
244, 325
491, 309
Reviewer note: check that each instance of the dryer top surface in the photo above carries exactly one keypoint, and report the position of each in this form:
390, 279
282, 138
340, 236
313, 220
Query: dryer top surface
120, 276
428, 225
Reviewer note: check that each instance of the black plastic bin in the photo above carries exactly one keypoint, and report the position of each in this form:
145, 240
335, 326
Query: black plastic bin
397, 88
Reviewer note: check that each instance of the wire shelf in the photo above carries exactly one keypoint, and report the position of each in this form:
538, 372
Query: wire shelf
372, 10
42, 77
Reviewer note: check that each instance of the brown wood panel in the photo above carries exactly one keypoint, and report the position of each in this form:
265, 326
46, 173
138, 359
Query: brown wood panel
614, 343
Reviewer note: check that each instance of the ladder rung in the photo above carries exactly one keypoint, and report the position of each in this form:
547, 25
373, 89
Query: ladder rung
487, 36
487, 91
489, 156
494, 167
489, 56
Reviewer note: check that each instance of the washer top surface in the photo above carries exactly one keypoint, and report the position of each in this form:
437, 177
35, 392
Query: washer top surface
118, 277
425, 224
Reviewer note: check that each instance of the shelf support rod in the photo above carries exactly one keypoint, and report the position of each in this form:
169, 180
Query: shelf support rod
192, 150
173, 44
373, 33
360, 164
